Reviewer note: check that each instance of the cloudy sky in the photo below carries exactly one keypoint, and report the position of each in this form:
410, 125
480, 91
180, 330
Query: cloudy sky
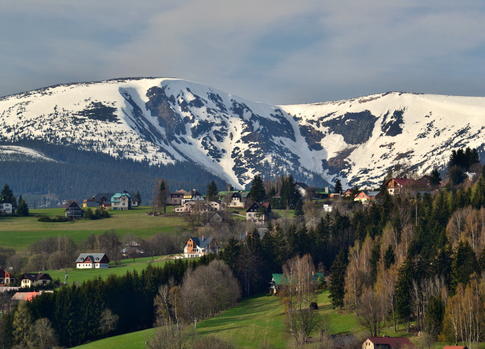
276, 51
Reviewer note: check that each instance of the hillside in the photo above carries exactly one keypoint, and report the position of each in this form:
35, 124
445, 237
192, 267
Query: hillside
127, 132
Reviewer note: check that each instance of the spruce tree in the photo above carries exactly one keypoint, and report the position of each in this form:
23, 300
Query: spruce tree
338, 186
337, 280
212, 191
257, 192
22, 208
435, 179
6, 196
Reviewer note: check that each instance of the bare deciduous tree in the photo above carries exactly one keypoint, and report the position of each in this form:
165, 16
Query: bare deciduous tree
299, 294
371, 310
208, 290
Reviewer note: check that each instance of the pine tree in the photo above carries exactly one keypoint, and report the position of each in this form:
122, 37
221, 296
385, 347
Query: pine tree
212, 191
337, 280
257, 192
464, 264
338, 186
435, 179
6, 196
23, 208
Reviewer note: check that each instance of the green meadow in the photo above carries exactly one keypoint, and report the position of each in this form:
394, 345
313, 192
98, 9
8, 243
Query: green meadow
251, 324
19, 232
80, 275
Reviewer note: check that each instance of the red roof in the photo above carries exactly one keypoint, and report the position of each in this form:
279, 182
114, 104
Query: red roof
394, 342
454, 347
25, 296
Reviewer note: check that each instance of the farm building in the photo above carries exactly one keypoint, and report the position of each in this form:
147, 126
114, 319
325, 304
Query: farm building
92, 261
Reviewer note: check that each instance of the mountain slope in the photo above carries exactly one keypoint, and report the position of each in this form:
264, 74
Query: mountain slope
159, 122
366, 137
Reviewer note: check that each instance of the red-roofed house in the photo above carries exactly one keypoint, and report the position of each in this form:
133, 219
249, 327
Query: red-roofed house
455, 347
387, 343
396, 186
25, 296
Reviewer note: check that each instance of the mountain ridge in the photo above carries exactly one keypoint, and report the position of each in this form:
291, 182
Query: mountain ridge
164, 121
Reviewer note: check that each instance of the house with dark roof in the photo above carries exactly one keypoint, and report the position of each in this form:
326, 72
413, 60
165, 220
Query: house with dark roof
92, 260
387, 343
198, 247
258, 212
73, 210
28, 280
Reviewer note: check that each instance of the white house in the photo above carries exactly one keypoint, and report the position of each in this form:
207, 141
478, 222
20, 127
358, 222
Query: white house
327, 208
198, 206
121, 201
236, 200
34, 279
6, 208
92, 261
258, 212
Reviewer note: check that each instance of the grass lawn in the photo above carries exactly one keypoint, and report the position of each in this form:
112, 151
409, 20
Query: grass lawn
19, 232
250, 324
80, 275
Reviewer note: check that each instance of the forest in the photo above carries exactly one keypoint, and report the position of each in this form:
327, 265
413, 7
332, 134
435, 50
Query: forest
412, 260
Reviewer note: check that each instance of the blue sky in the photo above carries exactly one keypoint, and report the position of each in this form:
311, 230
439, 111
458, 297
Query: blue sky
275, 51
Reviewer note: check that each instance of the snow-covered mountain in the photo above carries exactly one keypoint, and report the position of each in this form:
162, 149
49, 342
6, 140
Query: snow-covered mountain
161, 122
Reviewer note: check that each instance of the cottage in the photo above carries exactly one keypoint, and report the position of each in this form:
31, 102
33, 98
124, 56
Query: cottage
348, 193
193, 195
121, 201
387, 343
236, 200
198, 247
366, 197
177, 197
6, 208
396, 186
258, 212
90, 203
5, 278
92, 261
72, 210
198, 206
34, 279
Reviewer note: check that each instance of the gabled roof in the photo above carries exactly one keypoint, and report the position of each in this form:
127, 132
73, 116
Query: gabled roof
35, 276
71, 204
394, 342
455, 347
25, 296
93, 257
202, 242
255, 207
119, 195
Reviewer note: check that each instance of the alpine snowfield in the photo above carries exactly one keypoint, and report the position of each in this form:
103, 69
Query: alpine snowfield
161, 121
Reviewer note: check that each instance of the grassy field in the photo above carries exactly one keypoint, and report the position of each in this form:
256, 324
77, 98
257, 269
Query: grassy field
80, 275
20, 232
251, 324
